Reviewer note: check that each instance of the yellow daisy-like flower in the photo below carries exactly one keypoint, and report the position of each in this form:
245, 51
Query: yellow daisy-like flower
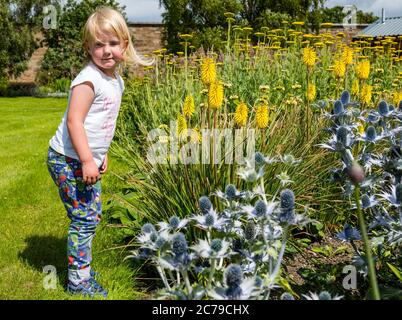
181, 125
261, 116
365, 95
208, 71
215, 95
188, 107
311, 92
347, 55
363, 69
396, 97
339, 68
241, 114
355, 87
309, 56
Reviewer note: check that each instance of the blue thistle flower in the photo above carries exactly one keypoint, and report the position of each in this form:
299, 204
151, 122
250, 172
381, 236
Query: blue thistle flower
237, 245
234, 292
338, 107
249, 232
345, 97
260, 208
349, 233
259, 158
216, 245
233, 276
258, 281
325, 295
148, 228
153, 236
287, 296
366, 202
342, 135
287, 199
174, 222
160, 242
179, 244
209, 220
371, 134
230, 192
398, 193
205, 204
383, 108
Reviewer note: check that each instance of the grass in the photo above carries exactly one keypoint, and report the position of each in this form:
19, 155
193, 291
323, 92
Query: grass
33, 221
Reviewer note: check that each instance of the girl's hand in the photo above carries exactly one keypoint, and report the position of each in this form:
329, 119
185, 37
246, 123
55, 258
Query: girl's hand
104, 165
90, 172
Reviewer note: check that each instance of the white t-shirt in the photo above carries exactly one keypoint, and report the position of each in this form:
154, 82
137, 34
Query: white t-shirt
100, 122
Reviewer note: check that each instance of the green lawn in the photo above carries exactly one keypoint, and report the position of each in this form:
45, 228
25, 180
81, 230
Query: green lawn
33, 222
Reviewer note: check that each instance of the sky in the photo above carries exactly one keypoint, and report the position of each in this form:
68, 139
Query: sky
149, 11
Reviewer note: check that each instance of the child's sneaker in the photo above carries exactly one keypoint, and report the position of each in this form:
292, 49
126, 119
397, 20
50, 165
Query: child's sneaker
87, 287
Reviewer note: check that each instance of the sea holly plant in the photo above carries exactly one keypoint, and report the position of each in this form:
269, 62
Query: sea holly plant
240, 249
369, 145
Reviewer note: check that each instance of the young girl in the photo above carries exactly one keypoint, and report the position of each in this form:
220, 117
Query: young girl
77, 155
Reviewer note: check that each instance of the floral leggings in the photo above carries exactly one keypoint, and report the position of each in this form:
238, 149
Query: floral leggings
83, 205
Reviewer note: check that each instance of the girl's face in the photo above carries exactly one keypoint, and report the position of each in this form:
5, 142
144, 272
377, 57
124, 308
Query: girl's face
106, 52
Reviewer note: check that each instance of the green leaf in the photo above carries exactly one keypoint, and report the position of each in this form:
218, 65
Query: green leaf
395, 270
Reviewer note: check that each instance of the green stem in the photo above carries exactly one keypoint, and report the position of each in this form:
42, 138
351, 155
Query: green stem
211, 274
370, 262
186, 280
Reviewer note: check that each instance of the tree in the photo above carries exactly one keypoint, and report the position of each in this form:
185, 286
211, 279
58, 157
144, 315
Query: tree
65, 56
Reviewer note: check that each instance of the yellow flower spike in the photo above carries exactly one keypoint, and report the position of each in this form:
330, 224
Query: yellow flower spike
215, 95
363, 69
261, 116
309, 56
366, 93
355, 87
189, 106
208, 71
396, 97
347, 55
241, 114
339, 68
311, 92
181, 125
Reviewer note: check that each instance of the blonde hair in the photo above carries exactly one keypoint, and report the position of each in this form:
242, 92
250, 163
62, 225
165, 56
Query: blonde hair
106, 19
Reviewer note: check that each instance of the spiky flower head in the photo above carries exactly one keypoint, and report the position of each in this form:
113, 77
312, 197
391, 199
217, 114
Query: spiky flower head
259, 158
324, 295
215, 95
181, 125
383, 108
208, 71
338, 107
216, 245
249, 231
287, 199
355, 87
309, 57
398, 193
189, 106
371, 133
261, 116
311, 92
179, 244
397, 98
205, 204
345, 97
174, 222
154, 236
241, 114
339, 68
260, 208
347, 55
342, 135
365, 94
148, 228
233, 275
363, 69
209, 220
230, 191
366, 202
